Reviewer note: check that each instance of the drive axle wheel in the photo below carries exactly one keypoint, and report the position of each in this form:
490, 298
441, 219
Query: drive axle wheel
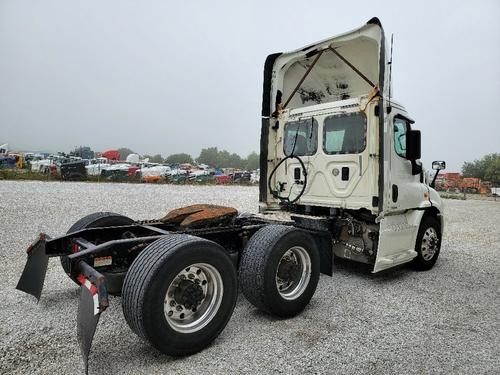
193, 297
97, 220
428, 244
279, 270
294, 273
179, 293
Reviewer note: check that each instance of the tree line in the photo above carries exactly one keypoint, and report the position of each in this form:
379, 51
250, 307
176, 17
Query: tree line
487, 168
211, 156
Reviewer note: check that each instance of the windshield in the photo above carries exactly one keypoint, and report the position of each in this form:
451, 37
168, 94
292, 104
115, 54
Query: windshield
301, 137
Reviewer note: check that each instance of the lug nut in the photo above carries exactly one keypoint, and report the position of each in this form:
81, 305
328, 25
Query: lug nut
172, 303
170, 313
179, 308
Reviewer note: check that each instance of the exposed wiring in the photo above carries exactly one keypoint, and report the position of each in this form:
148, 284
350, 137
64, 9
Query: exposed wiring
276, 191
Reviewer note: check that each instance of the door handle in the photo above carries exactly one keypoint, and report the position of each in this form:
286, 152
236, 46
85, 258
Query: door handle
345, 173
394, 193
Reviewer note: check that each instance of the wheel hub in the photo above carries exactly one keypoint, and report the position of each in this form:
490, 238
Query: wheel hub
430, 244
193, 297
293, 273
289, 269
189, 294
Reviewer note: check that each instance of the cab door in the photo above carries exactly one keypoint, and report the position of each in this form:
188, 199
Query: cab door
403, 192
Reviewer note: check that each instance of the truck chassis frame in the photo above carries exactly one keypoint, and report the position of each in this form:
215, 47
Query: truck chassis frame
99, 256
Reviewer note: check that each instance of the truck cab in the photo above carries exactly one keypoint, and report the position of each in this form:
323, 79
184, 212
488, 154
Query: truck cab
336, 146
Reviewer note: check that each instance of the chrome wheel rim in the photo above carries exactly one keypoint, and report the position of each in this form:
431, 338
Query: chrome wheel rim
193, 298
430, 244
293, 273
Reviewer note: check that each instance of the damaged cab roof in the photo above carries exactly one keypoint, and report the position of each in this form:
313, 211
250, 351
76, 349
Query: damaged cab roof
346, 66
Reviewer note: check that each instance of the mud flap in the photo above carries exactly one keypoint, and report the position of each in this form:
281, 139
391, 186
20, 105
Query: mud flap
87, 319
93, 301
33, 276
93, 292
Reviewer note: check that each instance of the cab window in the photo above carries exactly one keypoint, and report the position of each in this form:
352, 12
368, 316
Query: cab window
400, 128
345, 134
301, 137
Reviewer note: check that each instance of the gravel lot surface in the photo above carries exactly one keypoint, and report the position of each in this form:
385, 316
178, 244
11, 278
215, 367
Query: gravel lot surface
446, 320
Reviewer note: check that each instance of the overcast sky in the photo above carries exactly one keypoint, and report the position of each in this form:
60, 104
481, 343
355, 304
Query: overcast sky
167, 77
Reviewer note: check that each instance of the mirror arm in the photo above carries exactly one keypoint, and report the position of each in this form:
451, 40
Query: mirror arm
415, 168
434, 179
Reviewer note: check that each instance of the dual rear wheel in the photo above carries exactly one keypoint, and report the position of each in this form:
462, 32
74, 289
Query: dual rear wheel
180, 291
279, 270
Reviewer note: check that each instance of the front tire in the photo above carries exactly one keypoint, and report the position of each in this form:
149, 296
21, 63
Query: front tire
179, 293
428, 244
279, 270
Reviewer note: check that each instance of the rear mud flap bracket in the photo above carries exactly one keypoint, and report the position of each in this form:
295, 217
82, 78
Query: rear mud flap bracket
93, 301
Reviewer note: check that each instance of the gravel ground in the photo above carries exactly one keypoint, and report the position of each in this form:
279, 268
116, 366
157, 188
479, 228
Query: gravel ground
442, 321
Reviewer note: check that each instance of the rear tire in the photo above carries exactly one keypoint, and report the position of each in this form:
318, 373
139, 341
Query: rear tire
95, 220
428, 244
179, 293
279, 270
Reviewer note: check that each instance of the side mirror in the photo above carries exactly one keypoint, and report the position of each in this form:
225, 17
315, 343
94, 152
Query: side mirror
438, 165
413, 151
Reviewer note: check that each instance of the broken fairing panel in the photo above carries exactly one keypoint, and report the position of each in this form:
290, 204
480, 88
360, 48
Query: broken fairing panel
348, 67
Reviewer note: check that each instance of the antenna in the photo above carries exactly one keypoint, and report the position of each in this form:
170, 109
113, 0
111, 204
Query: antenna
389, 109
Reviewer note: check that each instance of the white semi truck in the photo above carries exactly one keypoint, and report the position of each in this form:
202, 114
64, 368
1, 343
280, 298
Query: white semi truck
335, 143
340, 177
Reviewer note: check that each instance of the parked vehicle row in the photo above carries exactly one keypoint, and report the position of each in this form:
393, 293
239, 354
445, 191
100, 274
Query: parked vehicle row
109, 166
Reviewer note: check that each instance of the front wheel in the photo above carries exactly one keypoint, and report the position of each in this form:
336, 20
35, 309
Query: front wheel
279, 270
428, 244
179, 293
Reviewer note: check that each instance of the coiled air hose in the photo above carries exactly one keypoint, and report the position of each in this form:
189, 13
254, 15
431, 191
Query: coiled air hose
275, 193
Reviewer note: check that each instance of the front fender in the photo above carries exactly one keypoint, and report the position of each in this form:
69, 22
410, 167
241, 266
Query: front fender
437, 203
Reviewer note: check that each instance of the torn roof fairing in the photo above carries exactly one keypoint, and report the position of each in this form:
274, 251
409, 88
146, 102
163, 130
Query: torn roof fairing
331, 79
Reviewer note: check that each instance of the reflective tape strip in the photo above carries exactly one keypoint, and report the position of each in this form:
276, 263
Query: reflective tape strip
93, 290
96, 304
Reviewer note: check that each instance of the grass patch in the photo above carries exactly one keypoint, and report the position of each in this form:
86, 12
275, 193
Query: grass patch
22, 174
